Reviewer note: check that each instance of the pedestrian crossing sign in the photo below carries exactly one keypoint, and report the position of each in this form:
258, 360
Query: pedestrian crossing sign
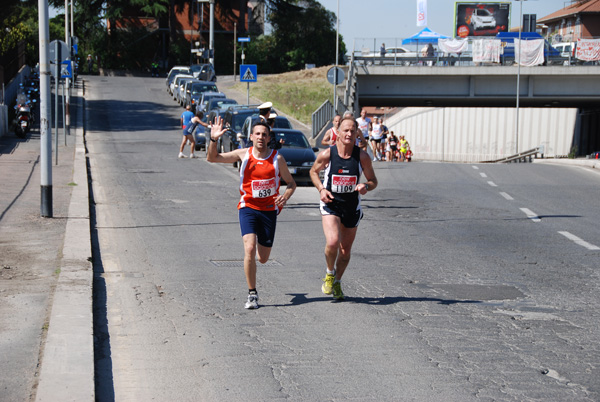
248, 73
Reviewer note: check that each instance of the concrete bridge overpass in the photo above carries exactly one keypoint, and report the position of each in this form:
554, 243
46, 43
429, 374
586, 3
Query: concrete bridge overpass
476, 86
559, 107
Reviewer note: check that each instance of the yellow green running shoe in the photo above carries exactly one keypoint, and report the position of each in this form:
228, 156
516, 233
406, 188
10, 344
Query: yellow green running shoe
337, 291
327, 287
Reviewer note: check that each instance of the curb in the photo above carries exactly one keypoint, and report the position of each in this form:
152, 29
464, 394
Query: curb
590, 163
67, 368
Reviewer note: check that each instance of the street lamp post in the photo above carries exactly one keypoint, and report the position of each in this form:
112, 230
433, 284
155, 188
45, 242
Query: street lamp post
337, 58
518, 75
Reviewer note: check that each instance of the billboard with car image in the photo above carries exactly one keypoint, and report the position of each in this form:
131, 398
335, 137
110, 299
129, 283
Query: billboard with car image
472, 19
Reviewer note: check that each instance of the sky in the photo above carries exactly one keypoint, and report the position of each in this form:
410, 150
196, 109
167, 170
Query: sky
388, 19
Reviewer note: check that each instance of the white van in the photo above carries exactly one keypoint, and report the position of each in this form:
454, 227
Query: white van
566, 49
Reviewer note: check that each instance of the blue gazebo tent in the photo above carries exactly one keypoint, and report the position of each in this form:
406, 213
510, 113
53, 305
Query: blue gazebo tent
425, 36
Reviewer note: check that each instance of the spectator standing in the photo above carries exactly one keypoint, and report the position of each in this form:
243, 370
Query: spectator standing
188, 134
186, 116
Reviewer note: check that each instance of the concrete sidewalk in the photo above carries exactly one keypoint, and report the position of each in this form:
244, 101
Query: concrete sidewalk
46, 337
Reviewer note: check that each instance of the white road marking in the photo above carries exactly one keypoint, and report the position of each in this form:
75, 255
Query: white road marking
531, 215
475, 167
491, 183
483, 175
508, 197
579, 241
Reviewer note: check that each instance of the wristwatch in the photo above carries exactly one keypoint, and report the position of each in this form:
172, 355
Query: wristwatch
367, 186
212, 139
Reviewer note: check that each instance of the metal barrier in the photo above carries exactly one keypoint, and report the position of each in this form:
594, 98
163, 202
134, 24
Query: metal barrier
321, 117
525, 156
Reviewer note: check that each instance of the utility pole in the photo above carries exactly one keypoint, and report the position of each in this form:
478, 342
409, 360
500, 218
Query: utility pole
67, 122
211, 44
45, 132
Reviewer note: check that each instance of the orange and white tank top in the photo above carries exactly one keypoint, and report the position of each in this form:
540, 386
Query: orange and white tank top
259, 181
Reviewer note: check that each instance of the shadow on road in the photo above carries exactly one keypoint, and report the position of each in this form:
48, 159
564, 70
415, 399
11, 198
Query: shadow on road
300, 298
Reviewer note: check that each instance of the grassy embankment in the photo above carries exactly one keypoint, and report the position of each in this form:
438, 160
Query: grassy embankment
297, 93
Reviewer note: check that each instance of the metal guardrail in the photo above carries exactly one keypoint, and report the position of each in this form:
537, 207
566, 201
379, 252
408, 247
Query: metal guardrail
321, 117
525, 156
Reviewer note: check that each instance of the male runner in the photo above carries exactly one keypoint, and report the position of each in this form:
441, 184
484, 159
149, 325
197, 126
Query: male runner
260, 202
341, 212
364, 125
331, 134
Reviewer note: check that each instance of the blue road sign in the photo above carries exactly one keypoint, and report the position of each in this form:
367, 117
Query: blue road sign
246, 39
66, 70
248, 73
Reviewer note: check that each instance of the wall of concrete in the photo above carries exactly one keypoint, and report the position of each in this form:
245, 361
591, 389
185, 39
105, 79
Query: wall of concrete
483, 134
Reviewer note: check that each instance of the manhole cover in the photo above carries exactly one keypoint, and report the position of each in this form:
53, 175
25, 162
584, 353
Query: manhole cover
240, 263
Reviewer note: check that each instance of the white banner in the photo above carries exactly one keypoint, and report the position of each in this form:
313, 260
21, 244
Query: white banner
532, 52
421, 13
588, 49
486, 50
453, 45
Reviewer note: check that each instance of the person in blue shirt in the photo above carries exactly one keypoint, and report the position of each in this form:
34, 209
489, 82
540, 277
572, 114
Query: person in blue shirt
186, 116
188, 134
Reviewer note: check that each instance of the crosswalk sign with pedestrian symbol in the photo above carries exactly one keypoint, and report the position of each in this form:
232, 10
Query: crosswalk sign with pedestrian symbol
248, 73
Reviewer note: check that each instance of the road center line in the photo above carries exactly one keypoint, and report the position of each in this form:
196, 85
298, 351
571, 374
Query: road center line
579, 241
531, 215
508, 197
475, 167
483, 175
491, 183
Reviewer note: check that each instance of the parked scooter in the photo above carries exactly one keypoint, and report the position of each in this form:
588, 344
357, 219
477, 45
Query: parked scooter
24, 116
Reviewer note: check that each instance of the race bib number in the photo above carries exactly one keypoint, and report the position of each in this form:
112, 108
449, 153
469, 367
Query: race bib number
263, 188
343, 184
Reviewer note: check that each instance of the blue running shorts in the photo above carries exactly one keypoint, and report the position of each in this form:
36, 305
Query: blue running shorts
260, 223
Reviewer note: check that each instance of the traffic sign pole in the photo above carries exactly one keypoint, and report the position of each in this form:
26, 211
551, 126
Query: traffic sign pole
45, 111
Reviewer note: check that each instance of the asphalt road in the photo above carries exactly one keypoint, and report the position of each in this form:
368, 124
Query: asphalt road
467, 282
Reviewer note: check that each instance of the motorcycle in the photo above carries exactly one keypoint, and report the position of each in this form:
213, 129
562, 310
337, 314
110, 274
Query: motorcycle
24, 117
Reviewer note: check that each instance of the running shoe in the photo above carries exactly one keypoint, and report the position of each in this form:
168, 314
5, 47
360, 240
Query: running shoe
337, 291
181, 155
252, 302
327, 287
194, 156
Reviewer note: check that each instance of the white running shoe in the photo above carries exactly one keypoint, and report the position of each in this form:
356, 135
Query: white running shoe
194, 156
181, 155
252, 302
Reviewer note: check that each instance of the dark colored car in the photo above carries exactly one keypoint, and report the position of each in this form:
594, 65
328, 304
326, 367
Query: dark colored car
220, 103
204, 72
280, 122
207, 97
234, 119
297, 153
200, 135
195, 91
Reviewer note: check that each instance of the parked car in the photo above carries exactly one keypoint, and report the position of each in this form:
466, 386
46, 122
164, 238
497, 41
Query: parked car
200, 135
567, 50
173, 72
206, 97
195, 91
482, 18
244, 134
219, 103
180, 89
234, 120
296, 150
204, 72
399, 54
175, 82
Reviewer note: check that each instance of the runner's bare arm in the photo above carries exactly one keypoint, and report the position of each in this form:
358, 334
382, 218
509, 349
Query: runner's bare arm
369, 173
216, 131
291, 183
322, 160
